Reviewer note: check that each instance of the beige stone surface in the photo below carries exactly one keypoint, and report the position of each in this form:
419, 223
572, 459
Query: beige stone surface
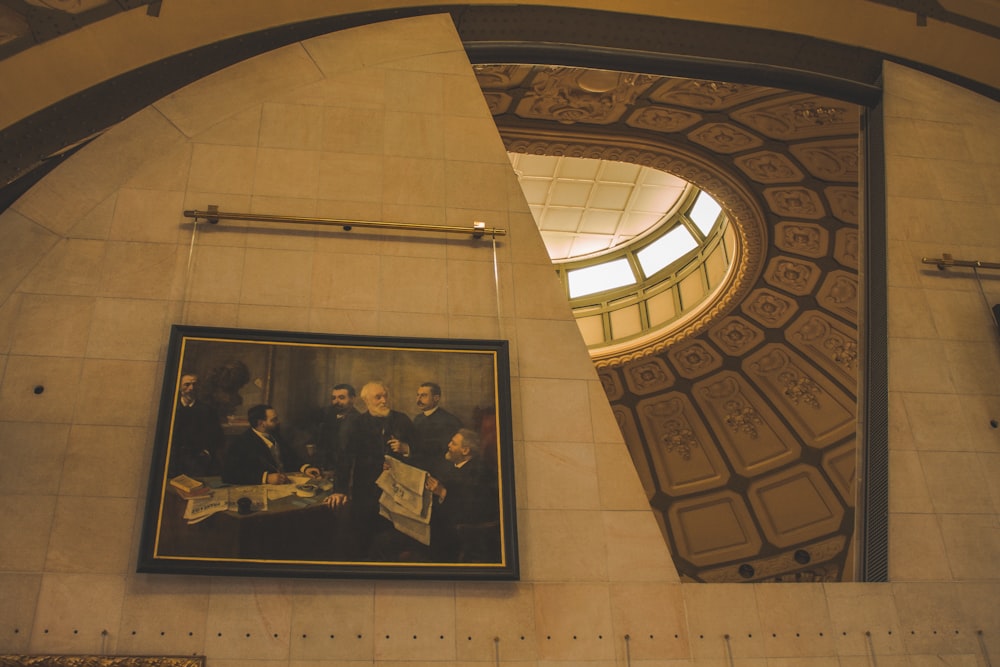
332, 620
414, 621
163, 616
77, 613
24, 531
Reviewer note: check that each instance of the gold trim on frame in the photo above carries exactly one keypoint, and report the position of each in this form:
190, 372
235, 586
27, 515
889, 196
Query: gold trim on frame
100, 661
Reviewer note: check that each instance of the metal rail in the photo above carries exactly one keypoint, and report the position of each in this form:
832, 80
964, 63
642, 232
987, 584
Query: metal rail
213, 215
947, 260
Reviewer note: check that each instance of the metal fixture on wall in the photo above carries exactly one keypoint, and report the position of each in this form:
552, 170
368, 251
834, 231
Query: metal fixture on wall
947, 261
213, 215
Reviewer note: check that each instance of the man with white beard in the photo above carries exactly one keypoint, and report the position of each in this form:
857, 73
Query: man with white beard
367, 439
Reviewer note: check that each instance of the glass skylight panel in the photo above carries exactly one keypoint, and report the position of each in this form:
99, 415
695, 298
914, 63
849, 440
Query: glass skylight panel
533, 165
586, 244
620, 172
610, 195
536, 190
563, 219
656, 198
570, 193
576, 167
705, 212
665, 250
600, 277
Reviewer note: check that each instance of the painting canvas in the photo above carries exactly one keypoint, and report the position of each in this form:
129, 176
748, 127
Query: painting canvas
100, 661
304, 454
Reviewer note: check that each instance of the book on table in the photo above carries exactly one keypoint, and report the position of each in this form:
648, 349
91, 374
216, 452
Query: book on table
189, 487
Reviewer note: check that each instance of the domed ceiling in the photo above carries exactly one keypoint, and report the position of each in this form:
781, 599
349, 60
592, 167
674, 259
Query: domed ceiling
742, 422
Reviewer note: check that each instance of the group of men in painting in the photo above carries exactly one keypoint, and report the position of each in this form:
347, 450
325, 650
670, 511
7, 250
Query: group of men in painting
353, 446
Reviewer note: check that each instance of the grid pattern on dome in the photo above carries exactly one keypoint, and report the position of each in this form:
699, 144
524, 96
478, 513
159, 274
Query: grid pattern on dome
589, 207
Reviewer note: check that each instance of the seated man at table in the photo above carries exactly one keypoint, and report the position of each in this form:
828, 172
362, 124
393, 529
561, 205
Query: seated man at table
257, 456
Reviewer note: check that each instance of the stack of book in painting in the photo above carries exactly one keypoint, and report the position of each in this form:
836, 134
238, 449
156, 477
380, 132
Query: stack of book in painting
189, 487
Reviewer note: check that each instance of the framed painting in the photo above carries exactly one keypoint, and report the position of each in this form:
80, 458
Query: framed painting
100, 661
304, 454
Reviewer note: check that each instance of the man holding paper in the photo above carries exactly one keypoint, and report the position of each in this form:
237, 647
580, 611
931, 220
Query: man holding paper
466, 509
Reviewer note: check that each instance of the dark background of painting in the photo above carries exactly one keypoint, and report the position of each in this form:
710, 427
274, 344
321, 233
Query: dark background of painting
296, 380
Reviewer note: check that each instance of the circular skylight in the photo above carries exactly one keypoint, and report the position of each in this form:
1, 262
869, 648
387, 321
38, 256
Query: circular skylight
639, 251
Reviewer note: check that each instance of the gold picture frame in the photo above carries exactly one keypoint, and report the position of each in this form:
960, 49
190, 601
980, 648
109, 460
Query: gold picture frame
100, 661
220, 515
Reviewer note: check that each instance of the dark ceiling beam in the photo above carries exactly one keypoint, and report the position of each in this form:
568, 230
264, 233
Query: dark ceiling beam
512, 34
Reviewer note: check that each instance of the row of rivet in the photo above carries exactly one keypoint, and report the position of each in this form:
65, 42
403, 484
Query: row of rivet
523, 637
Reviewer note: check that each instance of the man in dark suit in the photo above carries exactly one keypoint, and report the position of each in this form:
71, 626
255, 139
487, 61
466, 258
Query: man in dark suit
257, 456
367, 439
197, 437
330, 423
434, 425
465, 525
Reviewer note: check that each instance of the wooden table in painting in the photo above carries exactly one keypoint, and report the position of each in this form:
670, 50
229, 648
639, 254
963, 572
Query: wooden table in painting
288, 528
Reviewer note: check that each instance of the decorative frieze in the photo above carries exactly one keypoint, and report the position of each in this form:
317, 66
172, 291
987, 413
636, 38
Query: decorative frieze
706, 95
795, 276
736, 336
802, 238
498, 103
724, 138
830, 160
752, 435
829, 342
569, 95
770, 308
662, 119
769, 167
685, 458
795, 202
843, 201
491, 77
787, 566
694, 358
648, 375
839, 294
847, 248
820, 412
799, 117
611, 383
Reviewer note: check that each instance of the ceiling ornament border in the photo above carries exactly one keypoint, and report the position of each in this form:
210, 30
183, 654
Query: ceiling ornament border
745, 213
